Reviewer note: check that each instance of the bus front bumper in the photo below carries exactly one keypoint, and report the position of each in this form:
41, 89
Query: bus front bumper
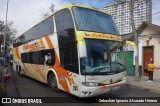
100, 90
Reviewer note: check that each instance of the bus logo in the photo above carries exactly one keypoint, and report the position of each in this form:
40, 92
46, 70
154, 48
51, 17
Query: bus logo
92, 78
34, 46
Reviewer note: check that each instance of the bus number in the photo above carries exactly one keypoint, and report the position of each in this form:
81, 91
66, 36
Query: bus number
75, 88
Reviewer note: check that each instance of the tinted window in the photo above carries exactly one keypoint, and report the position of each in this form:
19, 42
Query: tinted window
69, 58
47, 26
65, 27
44, 28
63, 20
29, 35
38, 31
91, 20
66, 40
43, 57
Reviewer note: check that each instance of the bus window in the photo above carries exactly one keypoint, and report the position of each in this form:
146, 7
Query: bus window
66, 40
91, 20
43, 57
29, 35
38, 31
69, 58
65, 27
47, 26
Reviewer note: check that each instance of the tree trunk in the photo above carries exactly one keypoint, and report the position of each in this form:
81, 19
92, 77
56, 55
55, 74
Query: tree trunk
136, 40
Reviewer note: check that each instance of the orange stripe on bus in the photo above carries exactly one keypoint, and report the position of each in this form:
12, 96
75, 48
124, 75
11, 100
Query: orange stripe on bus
60, 72
49, 42
70, 78
36, 68
42, 43
26, 68
110, 86
17, 53
51, 47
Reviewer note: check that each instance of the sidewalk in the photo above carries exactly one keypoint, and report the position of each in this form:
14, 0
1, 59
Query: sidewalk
155, 86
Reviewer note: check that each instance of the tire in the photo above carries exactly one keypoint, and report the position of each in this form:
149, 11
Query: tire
52, 82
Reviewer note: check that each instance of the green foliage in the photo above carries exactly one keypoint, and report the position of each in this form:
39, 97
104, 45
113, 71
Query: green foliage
51, 10
7, 31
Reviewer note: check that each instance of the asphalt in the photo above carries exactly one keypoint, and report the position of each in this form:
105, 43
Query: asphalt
155, 86
26, 87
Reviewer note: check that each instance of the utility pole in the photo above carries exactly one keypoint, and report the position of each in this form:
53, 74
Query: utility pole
137, 78
4, 48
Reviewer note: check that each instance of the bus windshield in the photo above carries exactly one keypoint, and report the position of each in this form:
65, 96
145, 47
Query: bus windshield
102, 57
95, 21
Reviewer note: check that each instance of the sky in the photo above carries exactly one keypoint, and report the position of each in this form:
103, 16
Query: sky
26, 13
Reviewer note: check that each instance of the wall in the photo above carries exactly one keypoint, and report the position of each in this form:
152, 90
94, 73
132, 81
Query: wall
155, 42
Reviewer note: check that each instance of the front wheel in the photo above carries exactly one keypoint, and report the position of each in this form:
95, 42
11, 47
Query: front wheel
52, 82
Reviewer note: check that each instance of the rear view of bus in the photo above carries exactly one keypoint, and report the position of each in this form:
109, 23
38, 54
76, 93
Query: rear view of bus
100, 52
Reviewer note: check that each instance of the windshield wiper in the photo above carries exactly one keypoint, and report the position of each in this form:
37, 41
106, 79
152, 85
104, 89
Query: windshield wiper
120, 63
99, 68
122, 67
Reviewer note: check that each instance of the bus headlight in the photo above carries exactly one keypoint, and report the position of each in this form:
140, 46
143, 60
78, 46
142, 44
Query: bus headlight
90, 84
124, 76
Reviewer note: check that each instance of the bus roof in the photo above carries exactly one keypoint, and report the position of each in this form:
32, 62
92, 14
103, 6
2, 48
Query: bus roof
67, 6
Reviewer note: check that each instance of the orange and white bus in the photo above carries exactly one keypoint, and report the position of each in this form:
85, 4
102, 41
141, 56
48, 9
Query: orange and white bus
77, 49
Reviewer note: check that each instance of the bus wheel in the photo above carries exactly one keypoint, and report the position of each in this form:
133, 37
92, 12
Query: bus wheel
52, 82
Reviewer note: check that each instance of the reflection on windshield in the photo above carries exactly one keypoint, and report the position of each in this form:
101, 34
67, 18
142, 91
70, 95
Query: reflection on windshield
91, 20
102, 57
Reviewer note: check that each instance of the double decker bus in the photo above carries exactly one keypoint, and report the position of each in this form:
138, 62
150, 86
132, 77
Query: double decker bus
77, 49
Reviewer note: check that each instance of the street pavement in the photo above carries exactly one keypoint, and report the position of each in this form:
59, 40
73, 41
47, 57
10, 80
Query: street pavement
152, 86
26, 87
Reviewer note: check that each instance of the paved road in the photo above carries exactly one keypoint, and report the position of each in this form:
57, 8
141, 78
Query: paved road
26, 87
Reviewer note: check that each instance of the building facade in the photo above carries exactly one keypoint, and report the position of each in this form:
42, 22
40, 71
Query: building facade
149, 35
121, 14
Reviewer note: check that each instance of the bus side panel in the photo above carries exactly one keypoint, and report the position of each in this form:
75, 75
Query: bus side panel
73, 82
16, 58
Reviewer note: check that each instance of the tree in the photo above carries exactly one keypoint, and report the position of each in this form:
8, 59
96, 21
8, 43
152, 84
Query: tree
9, 33
44, 15
136, 40
51, 10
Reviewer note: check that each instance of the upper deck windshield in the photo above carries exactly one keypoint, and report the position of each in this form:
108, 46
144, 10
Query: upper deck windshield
102, 57
95, 21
